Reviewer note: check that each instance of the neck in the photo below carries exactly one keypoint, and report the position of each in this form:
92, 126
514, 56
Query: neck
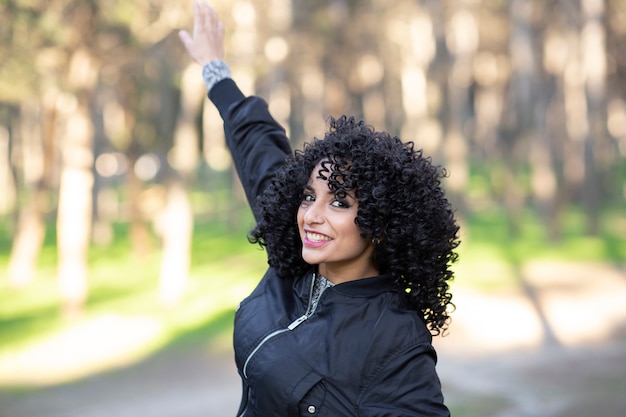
338, 275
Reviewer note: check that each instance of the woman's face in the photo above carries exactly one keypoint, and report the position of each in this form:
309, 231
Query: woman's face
330, 237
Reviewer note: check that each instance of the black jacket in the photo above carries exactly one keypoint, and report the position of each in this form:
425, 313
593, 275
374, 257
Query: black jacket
362, 352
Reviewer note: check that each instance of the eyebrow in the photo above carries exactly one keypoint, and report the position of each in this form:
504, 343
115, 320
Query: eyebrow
348, 194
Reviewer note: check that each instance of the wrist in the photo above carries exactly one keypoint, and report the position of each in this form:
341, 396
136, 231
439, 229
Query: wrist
214, 72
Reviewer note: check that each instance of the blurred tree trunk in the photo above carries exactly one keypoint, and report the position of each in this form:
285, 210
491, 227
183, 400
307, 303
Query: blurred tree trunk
29, 81
433, 129
8, 183
139, 230
594, 62
418, 48
37, 130
29, 233
574, 100
175, 223
544, 180
518, 125
175, 226
103, 198
462, 40
74, 218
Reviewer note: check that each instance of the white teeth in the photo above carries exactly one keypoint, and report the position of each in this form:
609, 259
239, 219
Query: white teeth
316, 237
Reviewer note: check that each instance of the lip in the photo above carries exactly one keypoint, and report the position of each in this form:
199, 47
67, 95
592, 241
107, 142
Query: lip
314, 244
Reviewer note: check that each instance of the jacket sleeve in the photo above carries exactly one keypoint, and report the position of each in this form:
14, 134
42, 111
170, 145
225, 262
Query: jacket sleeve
407, 385
258, 144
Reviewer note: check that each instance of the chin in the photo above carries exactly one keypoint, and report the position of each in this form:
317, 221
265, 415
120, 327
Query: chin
311, 260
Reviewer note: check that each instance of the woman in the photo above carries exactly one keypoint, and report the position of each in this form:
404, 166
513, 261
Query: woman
359, 237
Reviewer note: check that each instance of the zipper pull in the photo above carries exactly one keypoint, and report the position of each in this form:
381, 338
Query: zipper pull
297, 322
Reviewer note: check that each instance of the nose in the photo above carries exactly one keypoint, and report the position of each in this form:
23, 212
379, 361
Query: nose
313, 213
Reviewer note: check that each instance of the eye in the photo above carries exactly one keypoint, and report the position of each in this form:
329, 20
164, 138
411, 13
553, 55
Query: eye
306, 197
340, 204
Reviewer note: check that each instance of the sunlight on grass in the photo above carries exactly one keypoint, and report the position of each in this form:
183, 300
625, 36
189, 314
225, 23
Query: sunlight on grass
124, 321
114, 333
486, 274
88, 346
490, 258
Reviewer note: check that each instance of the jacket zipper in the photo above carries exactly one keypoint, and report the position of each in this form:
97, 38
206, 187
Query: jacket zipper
293, 325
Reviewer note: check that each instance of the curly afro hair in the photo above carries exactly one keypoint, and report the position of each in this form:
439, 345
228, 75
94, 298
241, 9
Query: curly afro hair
402, 207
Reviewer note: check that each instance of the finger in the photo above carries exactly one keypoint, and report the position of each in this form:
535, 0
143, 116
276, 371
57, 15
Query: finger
185, 38
196, 19
216, 23
211, 16
205, 19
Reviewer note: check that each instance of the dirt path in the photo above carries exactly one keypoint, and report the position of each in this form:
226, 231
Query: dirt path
187, 382
556, 348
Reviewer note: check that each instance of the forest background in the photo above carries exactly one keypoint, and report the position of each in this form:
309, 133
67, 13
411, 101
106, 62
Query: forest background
119, 204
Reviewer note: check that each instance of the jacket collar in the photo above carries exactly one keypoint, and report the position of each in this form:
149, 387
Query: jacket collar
365, 287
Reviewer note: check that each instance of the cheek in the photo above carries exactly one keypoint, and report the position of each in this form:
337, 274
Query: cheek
352, 230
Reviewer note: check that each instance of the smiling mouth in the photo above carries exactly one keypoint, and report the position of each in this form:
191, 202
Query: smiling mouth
316, 237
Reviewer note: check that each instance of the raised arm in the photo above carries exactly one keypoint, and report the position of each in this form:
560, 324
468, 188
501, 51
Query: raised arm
257, 142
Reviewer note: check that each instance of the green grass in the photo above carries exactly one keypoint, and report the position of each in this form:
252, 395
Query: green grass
478, 406
124, 289
490, 258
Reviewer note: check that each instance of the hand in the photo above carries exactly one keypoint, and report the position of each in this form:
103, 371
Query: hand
207, 42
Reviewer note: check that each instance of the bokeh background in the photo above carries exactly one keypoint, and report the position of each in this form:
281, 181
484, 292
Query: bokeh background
123, 250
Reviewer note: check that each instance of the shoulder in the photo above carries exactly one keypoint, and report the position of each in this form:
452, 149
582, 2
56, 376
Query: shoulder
378, 317
386, 309
399, 335
402, 351
402, 326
